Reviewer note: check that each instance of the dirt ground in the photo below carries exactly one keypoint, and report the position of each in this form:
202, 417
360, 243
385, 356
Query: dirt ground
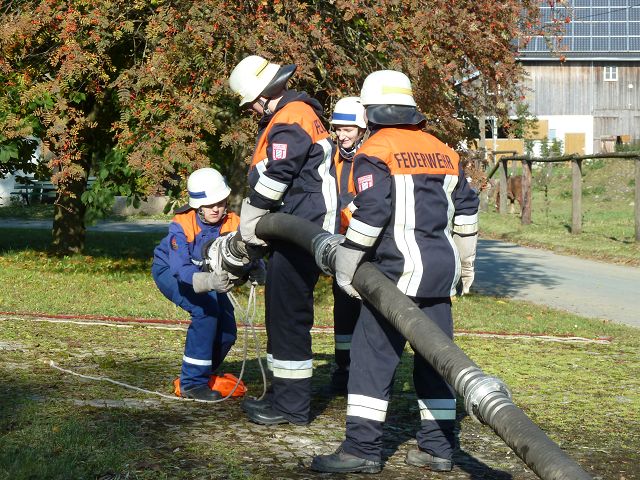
195, 441
285, 452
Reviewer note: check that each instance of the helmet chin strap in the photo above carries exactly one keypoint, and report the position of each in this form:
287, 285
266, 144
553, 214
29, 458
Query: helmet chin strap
349, 153
265, 105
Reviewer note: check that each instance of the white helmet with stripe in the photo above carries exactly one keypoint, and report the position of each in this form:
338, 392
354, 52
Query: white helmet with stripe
348, 111
387, 87
206, 186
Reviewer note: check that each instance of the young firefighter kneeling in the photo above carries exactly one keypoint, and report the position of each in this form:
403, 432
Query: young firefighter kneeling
178, 272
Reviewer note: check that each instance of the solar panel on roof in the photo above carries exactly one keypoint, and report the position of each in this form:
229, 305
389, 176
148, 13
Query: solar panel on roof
603, 26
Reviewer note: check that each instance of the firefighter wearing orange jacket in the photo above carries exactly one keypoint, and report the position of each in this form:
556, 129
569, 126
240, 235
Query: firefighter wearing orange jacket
177, 270
412, 199
349, 127
291, 172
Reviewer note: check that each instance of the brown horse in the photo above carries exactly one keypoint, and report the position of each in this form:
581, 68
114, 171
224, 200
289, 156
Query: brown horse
514, 192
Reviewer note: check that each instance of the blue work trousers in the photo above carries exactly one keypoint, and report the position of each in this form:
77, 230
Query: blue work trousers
212, 331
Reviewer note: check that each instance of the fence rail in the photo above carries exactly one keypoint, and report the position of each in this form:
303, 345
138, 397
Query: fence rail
576, 183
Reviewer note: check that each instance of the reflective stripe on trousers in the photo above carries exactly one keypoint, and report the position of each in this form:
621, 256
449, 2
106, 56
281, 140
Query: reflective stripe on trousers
345, 315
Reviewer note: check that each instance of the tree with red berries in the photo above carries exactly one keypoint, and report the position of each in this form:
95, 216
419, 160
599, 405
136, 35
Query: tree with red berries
134, 92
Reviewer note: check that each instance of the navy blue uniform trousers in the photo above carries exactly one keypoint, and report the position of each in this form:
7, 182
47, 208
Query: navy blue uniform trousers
375, 353
291, 278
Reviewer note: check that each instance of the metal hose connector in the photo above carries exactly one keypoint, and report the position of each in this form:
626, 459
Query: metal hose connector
484, 395
324, 247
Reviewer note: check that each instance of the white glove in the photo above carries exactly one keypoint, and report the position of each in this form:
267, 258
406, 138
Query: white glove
467, 249
347, 261
249, 217
208, 281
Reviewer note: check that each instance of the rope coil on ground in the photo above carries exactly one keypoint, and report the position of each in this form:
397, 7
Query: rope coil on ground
248, 313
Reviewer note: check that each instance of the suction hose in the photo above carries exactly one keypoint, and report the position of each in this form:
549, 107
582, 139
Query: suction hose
487, 399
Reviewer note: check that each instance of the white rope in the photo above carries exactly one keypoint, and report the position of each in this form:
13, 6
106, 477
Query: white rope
249, 315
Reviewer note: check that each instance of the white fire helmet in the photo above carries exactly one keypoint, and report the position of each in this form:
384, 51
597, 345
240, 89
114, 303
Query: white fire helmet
387, 87
255, 76
206, 186
348, 111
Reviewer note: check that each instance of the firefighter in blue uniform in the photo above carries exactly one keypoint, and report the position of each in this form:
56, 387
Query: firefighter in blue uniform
349, 127
178, 272
412, 199
290, 172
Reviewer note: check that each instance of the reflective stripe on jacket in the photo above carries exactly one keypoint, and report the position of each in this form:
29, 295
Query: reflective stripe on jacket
292, 169
410, 189
181, 249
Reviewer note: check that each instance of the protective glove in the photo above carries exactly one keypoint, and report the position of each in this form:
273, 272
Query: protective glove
207, 281
249, 217
347, 261
216, 277
467, 250
258, 272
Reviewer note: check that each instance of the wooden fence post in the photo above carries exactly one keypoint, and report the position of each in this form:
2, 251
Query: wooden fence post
576, 205
526, 193
637, 199
503, 187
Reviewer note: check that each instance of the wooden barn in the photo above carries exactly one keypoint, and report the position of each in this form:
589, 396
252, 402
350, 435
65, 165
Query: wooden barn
587, 93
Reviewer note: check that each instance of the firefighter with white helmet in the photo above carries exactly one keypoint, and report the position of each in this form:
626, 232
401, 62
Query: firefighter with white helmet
177, 270
412, 199
290, 172
349, 127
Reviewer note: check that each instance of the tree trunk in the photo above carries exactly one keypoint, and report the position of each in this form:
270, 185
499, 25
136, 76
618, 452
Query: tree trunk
68, 219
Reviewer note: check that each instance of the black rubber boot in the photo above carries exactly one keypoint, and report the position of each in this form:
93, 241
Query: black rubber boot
341, 462
250, 404
418, 458
201, 392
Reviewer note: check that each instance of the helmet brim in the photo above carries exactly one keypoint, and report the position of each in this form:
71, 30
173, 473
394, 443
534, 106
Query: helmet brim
279, 81
394, 115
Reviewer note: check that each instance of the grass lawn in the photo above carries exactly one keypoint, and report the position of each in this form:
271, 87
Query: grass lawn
585, 395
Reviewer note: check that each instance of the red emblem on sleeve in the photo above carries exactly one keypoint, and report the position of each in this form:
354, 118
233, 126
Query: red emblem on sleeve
279, 151
365, 182
174, 243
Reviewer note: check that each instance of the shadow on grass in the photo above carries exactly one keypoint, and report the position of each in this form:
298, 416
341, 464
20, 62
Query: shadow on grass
133, 250
500, 273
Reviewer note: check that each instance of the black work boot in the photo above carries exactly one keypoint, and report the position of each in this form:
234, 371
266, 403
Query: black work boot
250, 404
418, 458
201, 392
253, 404
342, 462
266, 416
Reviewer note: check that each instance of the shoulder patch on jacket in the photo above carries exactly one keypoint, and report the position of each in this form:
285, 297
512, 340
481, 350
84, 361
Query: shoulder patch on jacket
188, 223
365, 182
279, 151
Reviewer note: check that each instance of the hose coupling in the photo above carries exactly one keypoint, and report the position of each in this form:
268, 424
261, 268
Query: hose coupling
324, 247
483, 395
